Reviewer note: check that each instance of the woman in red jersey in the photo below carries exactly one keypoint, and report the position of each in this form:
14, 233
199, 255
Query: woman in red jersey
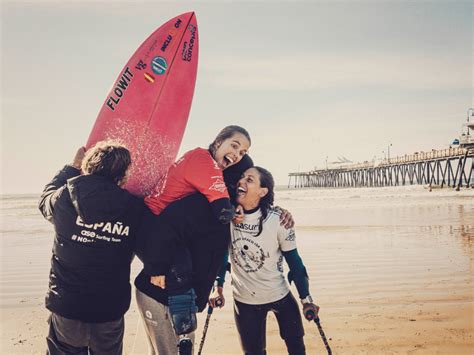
181, 232
200, 170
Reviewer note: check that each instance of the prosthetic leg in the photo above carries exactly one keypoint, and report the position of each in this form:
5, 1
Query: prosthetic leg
183, 317
182, 303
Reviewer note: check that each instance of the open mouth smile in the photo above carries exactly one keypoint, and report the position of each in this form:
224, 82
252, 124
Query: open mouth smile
241, 191
228, 161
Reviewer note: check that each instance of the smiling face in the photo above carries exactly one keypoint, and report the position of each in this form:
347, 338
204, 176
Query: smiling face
249, 190
231, 150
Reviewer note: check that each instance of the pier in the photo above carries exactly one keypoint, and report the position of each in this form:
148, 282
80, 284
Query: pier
452, 167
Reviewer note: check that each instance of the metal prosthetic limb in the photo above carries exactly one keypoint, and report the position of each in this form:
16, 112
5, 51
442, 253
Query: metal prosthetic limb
185, 345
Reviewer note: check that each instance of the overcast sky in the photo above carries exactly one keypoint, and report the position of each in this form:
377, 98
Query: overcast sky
308, 79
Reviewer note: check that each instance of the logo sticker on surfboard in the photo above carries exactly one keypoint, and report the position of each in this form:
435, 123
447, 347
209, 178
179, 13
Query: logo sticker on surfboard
149, 78
159, 65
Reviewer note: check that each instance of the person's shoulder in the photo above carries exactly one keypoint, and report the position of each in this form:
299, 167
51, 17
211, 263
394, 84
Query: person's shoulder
193, 155
200, 152
136, 199
275, 211
62, 196
202, 157
196, 151
273, 215
137, 202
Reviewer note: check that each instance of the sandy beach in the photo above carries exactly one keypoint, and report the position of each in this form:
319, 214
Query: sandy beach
391, 268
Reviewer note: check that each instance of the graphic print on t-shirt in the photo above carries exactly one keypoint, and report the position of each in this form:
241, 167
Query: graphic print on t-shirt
247, 254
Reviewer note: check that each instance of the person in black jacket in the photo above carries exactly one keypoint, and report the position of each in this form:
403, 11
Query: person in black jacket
96, 223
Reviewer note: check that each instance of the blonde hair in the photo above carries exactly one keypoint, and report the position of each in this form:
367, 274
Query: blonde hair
110, 159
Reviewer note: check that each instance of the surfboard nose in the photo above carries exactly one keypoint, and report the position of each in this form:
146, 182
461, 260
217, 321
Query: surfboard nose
188, 14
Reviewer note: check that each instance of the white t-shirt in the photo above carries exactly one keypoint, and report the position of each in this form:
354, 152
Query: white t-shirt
257, 261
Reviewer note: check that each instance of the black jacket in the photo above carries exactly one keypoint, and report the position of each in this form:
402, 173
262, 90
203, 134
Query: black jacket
95, 224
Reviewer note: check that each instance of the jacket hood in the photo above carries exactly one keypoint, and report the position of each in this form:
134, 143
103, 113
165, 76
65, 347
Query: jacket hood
97, 199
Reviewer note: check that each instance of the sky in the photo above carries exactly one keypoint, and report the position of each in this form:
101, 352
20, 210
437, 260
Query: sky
310, 80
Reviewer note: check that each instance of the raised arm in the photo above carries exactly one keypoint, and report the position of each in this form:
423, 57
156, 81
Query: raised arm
52, 190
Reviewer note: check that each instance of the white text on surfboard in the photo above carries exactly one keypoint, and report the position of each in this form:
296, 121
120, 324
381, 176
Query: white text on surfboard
120, 88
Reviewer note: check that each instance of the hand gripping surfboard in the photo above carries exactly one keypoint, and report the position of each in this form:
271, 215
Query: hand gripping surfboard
147, 108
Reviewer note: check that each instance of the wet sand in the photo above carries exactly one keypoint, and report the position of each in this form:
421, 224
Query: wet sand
392, 270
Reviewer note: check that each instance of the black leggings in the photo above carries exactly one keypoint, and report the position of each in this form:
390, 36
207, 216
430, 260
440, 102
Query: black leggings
188, 239
251, 323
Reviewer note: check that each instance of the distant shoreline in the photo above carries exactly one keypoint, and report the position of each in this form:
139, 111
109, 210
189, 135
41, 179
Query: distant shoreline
25, 195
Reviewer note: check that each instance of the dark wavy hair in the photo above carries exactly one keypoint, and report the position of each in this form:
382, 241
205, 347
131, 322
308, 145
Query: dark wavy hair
226, 133
266, 202
110, 159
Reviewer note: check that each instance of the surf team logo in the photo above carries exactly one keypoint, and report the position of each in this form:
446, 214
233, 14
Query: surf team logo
218, 185
291, 236
159, 65
248, 254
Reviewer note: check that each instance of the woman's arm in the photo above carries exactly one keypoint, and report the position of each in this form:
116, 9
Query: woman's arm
220, 279
297, 272
299, 275
223, 210
52, 190
217, 292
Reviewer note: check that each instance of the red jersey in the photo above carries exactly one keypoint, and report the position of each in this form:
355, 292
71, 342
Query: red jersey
196, 171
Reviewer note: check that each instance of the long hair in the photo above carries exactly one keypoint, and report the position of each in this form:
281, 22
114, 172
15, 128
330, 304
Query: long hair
266, 202
226, 133
110, 159
233, 174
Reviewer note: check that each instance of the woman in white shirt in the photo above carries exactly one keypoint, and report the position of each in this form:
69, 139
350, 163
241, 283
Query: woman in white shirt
258, 246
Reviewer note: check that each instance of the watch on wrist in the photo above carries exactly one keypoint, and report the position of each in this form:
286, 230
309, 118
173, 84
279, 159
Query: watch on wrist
307, 299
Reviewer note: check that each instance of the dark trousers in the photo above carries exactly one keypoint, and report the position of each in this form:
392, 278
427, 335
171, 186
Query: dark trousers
251, 323
69, 336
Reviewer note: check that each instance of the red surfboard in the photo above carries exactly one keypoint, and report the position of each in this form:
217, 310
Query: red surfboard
148, 106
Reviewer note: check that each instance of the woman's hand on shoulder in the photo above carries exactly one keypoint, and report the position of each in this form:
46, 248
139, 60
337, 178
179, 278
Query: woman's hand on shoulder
159, 281
77, 161
217, 299
286, 219
239, 215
